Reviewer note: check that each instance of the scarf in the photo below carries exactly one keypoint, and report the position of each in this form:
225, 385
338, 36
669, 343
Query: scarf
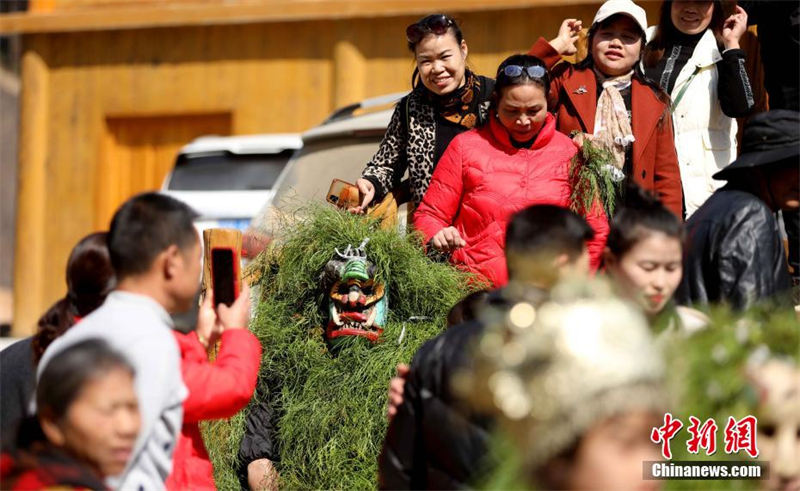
612, 128
461, 105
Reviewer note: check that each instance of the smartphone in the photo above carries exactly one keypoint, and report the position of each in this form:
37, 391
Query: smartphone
343, 194
224, 275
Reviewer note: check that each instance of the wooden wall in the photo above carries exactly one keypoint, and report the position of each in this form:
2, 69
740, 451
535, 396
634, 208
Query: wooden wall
103, 112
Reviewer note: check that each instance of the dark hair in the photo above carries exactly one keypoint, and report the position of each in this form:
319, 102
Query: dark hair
547, 229
424, 24
638, 74
143, 227
90, 278
503, 81
467, 308
666, 30
641, 215
67, 373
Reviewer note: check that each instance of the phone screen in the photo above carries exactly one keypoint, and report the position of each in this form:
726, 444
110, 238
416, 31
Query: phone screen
223, 276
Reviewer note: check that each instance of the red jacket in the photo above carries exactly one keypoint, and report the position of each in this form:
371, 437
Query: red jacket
482, 180
573, 98
216, 390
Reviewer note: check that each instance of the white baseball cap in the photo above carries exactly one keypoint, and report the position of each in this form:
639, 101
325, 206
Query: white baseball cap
623, 7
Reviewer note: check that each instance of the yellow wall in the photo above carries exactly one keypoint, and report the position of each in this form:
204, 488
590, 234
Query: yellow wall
84, 91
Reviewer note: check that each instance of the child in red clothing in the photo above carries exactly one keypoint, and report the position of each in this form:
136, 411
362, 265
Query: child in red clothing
217, 389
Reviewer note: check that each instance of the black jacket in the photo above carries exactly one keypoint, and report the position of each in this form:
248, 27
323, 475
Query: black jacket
434, 442
17, 388
734, 253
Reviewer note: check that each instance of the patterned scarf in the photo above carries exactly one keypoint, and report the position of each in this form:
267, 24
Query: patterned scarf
612, 128
461, 105
422, 107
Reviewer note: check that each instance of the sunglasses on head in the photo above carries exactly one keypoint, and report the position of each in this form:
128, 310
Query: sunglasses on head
437, 24
535, 71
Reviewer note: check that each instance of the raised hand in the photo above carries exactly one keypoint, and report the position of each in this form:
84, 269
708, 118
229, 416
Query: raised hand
733, 28
209, 329
564, 43
238, 314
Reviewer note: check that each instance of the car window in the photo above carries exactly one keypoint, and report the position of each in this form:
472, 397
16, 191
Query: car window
227, 172
309, 175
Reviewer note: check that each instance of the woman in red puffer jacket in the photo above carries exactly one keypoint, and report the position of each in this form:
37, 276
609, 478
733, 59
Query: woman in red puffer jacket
487, 174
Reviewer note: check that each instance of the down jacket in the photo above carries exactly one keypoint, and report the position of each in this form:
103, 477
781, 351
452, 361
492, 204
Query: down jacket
216, 390
705, 137
482, 180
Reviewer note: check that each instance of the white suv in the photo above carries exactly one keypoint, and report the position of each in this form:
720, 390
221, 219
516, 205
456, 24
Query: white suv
228, 179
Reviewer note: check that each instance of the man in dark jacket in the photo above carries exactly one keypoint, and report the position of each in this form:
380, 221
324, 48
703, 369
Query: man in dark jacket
434, 442
734, 253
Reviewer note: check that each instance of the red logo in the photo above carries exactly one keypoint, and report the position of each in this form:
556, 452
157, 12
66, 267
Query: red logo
741, 435
665, 433
704, 436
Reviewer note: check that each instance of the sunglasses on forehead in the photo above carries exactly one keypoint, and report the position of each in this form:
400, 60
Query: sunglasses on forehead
437, 24
514, 71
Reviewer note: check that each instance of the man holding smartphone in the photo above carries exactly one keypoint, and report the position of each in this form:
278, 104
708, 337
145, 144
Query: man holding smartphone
156, 253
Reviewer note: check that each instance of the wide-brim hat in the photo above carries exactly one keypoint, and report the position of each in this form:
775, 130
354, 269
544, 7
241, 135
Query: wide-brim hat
769, 138
622, 7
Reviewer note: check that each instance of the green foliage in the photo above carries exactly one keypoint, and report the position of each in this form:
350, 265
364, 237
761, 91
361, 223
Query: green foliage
333, 408
708, 376
591, 180
706, 379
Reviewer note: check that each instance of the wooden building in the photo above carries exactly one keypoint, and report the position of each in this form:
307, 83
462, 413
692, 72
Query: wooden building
112, 88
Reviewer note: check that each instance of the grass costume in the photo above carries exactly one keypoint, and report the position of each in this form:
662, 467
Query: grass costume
327, 394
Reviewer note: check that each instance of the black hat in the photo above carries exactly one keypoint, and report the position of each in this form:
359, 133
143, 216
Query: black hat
769, 137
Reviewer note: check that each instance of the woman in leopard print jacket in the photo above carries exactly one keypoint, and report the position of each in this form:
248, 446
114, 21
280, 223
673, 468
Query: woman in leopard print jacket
449, 100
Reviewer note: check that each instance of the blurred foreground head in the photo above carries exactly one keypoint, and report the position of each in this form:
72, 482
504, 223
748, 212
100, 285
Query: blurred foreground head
87, 406
575, 384
778, 385
740, 364
545, 243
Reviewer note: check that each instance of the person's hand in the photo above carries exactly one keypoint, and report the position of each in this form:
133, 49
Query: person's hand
209, 328
567, 36
733, 28
579, 138
447, 239
396, 387
237, 316
367, 189
262, 476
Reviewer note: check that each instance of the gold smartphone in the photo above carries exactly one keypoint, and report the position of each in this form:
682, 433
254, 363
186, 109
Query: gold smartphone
343, 194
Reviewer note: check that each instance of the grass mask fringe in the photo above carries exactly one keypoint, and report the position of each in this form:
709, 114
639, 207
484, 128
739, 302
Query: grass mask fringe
332, 409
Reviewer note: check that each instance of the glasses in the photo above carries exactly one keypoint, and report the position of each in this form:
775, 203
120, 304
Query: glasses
514, 71
437, 24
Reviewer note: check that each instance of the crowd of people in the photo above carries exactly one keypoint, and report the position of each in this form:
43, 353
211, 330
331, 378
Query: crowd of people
107, 394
